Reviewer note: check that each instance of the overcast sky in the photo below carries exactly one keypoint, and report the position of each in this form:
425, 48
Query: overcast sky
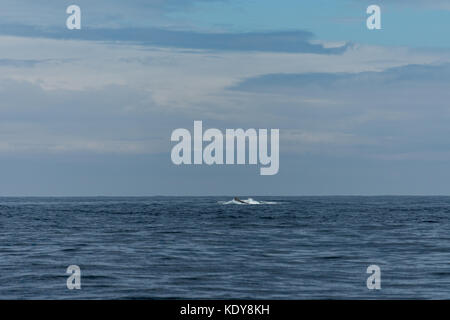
91, 111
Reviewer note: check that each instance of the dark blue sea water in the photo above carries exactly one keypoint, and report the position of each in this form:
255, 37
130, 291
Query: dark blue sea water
186, 247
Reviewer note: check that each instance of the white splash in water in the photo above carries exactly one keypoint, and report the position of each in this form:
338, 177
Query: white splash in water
248, 201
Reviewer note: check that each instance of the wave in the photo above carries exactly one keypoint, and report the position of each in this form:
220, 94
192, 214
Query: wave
246, 202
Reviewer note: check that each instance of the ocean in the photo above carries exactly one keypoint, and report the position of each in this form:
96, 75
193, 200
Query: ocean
215, 248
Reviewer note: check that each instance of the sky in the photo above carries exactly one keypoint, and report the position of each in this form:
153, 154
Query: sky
90, 112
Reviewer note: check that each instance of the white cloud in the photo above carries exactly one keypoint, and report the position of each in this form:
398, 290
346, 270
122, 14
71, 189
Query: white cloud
99, 97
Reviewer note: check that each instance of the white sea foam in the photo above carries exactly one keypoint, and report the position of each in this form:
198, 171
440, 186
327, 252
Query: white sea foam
248, 201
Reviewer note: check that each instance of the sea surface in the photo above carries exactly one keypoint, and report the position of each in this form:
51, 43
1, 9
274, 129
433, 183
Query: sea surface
215, 248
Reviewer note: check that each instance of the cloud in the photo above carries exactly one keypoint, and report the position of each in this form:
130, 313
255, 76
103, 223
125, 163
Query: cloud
20, 63
288, 41
110, 98
409, 74
95, 13
118, 89
401, 110
113, 119
432, 4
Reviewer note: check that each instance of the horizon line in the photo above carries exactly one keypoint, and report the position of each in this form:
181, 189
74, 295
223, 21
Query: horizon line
198, 196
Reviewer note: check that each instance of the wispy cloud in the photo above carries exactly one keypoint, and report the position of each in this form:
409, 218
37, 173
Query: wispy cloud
288, 41
409, 74
99, 13
433, 4
20, 63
